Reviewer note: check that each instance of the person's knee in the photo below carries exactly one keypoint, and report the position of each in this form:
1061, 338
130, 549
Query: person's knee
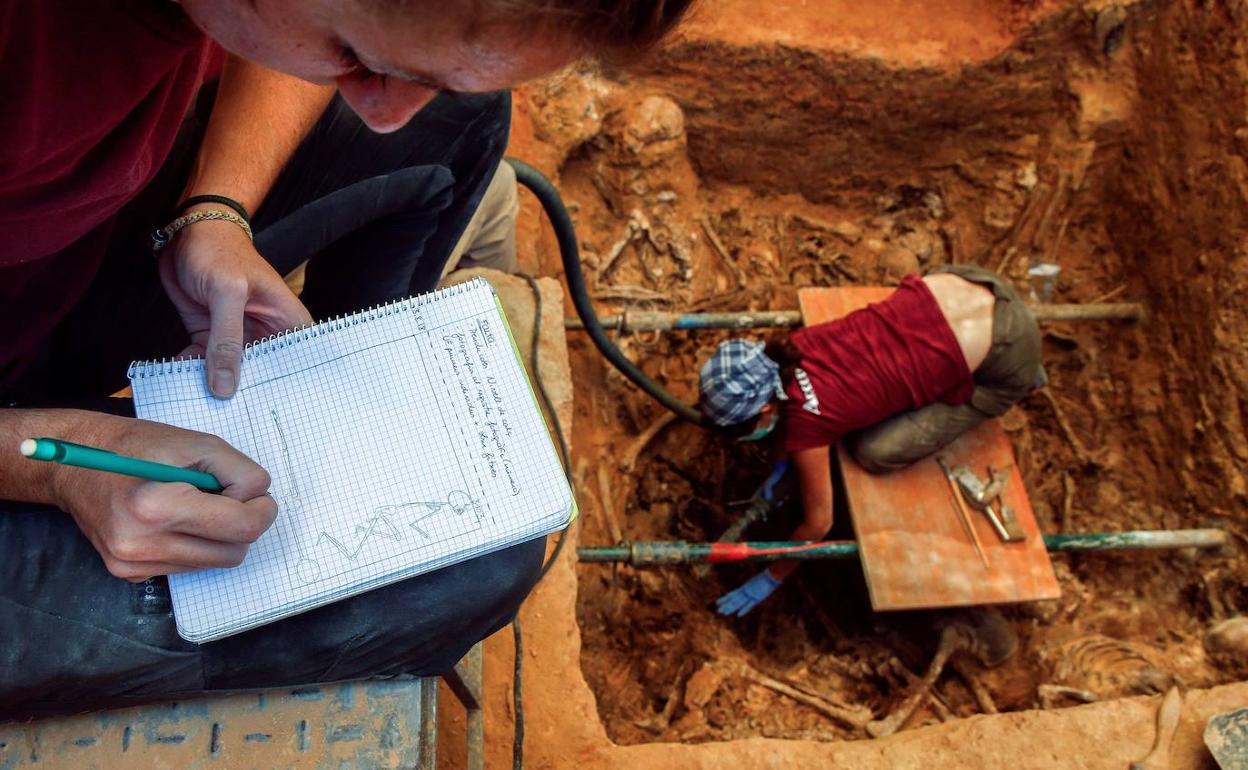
514, 572
878, 455
1014, 367
909, 437
495, 583
889, 446
489, 240
428, 623
505, 180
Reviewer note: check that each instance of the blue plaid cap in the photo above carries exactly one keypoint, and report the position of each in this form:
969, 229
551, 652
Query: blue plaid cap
737, 382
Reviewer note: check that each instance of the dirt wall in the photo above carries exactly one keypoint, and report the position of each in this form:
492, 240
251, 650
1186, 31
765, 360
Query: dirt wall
1177, 210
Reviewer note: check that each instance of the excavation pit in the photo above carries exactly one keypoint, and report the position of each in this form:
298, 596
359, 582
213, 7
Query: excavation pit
854, 159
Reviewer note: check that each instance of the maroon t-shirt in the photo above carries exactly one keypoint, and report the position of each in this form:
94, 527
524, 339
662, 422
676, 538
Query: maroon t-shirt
889, 357
92, 94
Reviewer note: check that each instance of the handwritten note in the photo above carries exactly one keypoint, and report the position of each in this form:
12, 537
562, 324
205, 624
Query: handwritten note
469, 353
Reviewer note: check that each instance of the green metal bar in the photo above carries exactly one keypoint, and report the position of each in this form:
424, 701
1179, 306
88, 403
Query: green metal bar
1141, 540
648, 320
653, 553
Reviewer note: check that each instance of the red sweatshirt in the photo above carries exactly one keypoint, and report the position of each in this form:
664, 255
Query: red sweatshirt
93, 94
889, 357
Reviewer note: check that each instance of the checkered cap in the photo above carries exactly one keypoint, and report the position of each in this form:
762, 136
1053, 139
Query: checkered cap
737, 382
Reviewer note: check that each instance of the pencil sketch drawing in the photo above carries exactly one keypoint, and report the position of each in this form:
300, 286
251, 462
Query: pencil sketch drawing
457, 503
366, 533
290, 506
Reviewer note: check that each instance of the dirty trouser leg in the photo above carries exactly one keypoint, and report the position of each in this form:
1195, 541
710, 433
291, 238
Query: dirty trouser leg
901, 440
490, 238
77, 638
73, 637
1011, 370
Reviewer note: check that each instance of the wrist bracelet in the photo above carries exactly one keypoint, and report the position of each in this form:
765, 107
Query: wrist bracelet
230, 203
162, 235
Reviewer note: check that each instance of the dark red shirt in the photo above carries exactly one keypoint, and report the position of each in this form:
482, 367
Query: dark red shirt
889, 357
92, 95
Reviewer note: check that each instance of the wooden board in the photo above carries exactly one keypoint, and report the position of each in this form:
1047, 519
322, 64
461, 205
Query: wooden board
915, 550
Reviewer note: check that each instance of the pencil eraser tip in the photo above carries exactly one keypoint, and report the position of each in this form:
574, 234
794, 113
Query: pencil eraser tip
28, 447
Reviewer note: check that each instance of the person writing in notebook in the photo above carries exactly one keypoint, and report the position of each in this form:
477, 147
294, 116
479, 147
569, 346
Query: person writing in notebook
213, 121
899, 380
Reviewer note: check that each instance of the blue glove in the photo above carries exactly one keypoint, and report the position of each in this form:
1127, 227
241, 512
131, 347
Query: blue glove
768, 489
747, 596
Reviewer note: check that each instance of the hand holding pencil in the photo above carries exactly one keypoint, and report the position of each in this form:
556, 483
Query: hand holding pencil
145, 527
54, 450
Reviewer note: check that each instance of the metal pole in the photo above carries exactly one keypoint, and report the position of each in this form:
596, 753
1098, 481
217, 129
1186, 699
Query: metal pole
647, 321
1141, 540
465, 680
758, 508
1112, 311
654, 553
773, 493
428, 759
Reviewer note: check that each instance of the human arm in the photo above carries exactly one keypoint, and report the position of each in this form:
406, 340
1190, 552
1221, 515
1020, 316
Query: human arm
814, 478
814, 481
141, 528
223, 289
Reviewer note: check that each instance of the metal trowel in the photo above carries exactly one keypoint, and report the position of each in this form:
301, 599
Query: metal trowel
984, 497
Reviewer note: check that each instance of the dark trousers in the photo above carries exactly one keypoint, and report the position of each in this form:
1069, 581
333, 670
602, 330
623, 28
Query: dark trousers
378, 215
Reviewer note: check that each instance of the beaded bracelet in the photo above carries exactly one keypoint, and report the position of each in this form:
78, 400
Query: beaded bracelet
230, 203
162, 235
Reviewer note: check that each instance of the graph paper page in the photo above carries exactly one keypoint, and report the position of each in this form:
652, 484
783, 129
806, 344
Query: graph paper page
399, 440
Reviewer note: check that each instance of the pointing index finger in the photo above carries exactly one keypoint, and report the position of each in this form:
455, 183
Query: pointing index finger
224, 351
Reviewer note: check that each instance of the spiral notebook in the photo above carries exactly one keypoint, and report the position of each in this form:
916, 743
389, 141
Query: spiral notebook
400, 439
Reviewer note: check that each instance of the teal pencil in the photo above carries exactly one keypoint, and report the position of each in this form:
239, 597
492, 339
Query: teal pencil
56, 451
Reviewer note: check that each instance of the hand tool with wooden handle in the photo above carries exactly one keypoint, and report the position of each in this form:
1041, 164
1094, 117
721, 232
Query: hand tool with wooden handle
982, 497
960, 506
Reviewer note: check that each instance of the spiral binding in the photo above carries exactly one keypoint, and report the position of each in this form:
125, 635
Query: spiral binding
266, 345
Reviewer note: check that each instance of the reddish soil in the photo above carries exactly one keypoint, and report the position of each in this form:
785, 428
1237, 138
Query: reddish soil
827, 143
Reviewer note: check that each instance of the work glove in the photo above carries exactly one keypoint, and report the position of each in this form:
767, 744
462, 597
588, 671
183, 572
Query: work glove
748, 595
768, 490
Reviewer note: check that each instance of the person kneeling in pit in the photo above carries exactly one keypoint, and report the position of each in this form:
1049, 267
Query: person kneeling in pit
898, 380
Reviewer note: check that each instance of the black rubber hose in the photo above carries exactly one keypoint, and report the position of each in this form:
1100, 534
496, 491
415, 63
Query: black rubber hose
517, 701
552, 204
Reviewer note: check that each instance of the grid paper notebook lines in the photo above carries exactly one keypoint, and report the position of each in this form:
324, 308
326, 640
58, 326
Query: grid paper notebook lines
399, 440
